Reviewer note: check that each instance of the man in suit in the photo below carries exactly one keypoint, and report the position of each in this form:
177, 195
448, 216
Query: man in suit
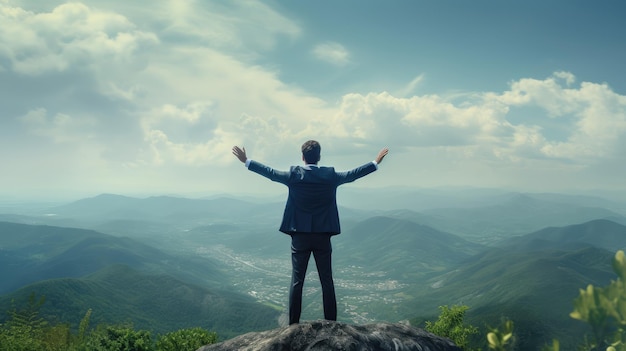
311, 218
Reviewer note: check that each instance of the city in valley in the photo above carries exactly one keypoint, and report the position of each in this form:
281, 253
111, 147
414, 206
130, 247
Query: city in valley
268, 279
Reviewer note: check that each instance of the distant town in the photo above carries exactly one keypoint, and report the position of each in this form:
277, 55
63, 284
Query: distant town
267, 280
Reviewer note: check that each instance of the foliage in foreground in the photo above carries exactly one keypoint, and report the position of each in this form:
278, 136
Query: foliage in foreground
450, 325
499, 339
602, 308
27, 331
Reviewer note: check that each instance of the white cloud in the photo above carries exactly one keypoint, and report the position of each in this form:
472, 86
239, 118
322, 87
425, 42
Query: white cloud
200, 92
239, 94
410, 88
568, 77
72, 34
480, 125
61, 128
598, 114
180, 134
547, 94
242, 25
177, 85
333, 53
419, 121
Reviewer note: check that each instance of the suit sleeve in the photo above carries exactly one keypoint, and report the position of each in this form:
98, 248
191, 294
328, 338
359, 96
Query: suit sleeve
350, 176
269, 173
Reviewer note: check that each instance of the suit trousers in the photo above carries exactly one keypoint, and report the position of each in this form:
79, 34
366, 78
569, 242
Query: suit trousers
302, 245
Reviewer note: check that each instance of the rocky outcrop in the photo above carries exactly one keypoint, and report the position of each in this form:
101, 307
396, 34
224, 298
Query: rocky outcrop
328, 335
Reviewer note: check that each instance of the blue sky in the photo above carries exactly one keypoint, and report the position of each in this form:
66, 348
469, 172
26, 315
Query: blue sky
148, 97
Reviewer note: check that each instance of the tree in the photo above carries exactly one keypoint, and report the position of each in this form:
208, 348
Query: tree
451, 325
25, 328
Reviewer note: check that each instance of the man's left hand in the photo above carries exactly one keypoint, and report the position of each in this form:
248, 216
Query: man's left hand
381, 155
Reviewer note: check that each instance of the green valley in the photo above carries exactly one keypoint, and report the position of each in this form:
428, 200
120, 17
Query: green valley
165, 263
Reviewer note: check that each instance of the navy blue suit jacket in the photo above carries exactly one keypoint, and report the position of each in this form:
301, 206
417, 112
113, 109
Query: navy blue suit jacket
312, 204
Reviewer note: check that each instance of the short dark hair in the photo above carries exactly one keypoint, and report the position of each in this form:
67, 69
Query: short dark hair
311, 151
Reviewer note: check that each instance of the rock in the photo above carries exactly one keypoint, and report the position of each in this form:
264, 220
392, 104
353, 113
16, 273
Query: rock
329, 335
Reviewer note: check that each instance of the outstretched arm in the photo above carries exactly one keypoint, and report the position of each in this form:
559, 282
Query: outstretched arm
350, 176
267, 172
240, 153
381, 154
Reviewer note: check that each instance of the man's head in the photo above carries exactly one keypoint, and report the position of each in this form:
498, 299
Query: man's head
311, 152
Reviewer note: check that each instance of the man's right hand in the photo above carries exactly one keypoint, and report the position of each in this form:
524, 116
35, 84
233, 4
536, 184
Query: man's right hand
240, 153
381, 155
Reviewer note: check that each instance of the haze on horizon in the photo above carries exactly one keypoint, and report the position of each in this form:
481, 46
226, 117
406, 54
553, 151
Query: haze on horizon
149, 97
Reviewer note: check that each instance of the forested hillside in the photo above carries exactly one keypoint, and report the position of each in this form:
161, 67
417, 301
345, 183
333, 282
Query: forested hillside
121, 280
160, 303
165, 263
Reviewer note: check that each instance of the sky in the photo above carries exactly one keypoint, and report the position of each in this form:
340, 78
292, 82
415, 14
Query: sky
148, 97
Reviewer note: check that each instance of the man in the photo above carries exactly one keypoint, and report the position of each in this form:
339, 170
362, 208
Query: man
311, 218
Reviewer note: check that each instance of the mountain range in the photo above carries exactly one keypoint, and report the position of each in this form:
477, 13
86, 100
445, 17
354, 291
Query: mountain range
517, 256
30, 253
531, 279
121, 279
156, 302
514, 215
403, 249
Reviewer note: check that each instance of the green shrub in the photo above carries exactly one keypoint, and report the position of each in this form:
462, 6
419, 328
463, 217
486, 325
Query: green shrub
450, 325
118, 338
27, 331
57, 337
185, 340
20, 339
